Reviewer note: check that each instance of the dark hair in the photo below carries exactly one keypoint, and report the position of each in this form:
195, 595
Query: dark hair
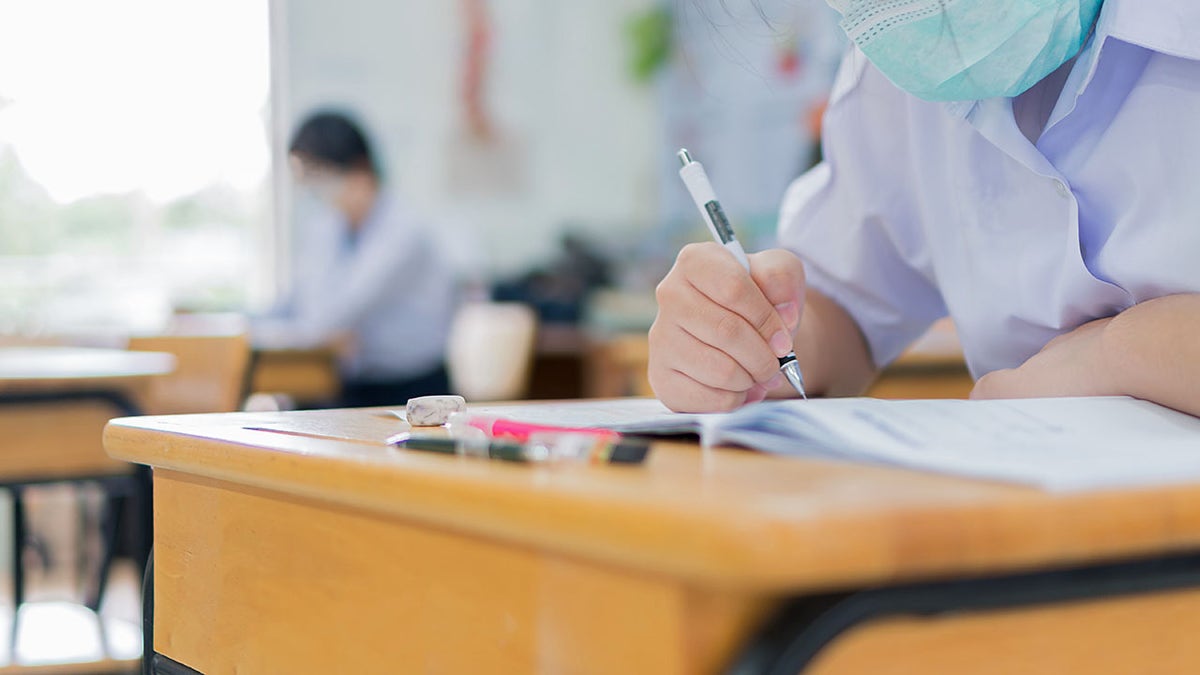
335, 140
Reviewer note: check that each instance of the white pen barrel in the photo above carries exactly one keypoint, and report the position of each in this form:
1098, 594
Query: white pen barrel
702, 193
738, 252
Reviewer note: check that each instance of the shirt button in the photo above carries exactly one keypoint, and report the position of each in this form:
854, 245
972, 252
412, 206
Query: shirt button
1061, 188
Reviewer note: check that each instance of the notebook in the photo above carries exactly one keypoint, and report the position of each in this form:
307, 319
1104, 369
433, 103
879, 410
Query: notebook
1058, 444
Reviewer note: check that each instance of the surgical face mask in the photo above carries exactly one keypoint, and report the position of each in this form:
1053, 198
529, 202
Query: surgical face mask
965, 50
324, 188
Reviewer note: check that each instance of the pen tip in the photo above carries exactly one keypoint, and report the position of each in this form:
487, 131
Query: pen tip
791, 370
684, 156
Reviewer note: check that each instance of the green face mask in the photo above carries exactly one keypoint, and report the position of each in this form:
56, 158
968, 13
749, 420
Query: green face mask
965, 50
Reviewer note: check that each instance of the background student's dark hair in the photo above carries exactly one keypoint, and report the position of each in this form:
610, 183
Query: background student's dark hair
335, 140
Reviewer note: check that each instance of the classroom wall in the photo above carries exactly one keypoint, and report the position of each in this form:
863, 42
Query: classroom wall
745, 85
578, 136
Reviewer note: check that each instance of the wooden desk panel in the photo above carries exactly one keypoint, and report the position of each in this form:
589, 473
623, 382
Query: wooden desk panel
56, 440
1151, 633
235, 588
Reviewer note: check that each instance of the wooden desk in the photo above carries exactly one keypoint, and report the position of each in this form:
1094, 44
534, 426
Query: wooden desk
54, 402
617, 366
309, 376
313, 548
42, 369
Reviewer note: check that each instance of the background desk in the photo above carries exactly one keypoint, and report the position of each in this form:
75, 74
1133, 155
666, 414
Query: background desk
933, 367
54, 402
309, 376
56, 399
313, 548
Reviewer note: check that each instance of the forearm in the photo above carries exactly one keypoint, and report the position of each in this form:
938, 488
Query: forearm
831, 349
1152, 351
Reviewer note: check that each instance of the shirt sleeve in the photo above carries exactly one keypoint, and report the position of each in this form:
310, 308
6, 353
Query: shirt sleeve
851, 220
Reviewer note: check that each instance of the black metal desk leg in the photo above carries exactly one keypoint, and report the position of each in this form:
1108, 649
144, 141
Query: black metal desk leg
148, 617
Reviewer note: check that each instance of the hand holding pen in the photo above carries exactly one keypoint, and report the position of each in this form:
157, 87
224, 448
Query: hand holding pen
724, 331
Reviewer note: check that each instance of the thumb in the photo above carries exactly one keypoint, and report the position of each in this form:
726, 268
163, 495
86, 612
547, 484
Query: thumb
779, 274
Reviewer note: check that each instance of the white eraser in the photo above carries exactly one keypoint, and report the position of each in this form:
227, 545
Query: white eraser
432, 411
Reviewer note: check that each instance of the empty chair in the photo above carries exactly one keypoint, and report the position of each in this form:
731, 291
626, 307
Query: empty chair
209, 376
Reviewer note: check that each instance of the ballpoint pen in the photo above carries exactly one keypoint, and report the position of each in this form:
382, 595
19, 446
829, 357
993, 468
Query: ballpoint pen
705, 198
542, 448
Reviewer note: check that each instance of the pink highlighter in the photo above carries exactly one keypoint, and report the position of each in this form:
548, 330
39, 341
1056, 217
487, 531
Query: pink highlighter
498, 427
547, 442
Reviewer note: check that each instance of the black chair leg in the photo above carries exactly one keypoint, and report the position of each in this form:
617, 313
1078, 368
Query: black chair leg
18, 559
87, 525
114, 509
18, 550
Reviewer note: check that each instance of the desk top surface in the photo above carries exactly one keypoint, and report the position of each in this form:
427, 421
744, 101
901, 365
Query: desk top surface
34, 366
722, 517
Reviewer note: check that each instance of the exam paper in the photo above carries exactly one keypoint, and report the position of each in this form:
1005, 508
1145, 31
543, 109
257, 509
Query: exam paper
1059, 444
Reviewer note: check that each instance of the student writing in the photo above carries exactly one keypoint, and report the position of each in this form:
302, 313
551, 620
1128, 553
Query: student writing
1026, 168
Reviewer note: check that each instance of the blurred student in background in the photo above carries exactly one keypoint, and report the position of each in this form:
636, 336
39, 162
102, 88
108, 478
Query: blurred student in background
367, 272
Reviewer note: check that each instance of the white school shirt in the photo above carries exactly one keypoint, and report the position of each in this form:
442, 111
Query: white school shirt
925, 209
390, 287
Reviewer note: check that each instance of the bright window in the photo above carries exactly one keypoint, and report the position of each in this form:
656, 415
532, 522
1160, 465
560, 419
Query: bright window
135, 161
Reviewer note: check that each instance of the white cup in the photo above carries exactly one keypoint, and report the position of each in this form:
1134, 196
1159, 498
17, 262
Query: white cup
490, 350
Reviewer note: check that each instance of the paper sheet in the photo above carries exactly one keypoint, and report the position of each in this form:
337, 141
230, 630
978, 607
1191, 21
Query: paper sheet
1058, 444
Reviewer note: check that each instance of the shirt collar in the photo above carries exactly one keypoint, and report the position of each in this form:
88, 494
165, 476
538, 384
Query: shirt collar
1165, 26
1155, 25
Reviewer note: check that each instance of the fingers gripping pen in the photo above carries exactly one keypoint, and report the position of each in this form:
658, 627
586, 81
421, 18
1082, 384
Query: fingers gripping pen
702, 193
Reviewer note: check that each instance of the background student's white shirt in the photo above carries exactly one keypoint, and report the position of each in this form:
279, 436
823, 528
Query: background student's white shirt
926, 209
391, 287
